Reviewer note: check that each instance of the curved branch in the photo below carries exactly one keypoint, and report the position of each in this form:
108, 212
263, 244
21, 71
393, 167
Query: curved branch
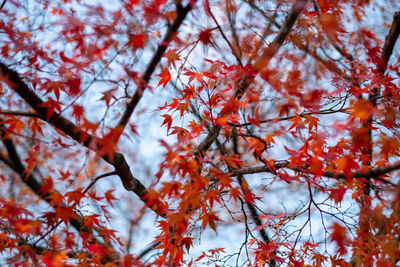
147, 250
98, 178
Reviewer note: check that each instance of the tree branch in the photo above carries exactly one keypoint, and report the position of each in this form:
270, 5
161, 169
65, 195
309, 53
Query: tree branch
2, 4
298, 42
116, 159
98, 178
16, 165
260, 64
302, 115
391, 39
272, 49
374, 173
171, 33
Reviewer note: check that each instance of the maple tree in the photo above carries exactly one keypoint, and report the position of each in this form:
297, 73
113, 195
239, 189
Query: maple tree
279, 130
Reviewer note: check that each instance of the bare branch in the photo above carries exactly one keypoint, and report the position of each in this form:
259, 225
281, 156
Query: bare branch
98, 178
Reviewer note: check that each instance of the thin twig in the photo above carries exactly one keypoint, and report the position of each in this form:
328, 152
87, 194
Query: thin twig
98, 178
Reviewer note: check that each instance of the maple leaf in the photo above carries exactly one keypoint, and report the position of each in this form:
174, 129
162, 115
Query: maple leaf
26, 226
269, 138
50, 258
74, 84
47, 186
36, 126
133, 3
98, 249
337, 194
171, 57
75, 196
312, 122
64, 175
235, 193
66, 213
14, 124
231, 106
167, 121
52, 106
362, 109
56, 199
254, 121
339, 236
108, 95
94, 196
133, 128
347, 165
109, 196
209, 218
205, 36
165, 76
199, 75
181, 133
91, 220
213, 196
297, 122
187, 242
137, 41
77, 112
332, 25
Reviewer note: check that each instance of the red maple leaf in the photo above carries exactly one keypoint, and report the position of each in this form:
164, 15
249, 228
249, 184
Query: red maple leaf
165, 77
206, 36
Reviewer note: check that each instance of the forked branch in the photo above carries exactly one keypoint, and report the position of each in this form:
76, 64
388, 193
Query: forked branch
116, 159
259, 65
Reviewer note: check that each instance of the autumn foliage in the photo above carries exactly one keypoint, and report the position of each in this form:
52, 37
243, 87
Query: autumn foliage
192, 133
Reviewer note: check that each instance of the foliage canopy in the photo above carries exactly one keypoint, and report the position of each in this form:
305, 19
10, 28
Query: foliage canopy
277, 124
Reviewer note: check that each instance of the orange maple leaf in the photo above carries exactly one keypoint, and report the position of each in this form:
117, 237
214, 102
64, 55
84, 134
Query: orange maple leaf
339, 237
171, 57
